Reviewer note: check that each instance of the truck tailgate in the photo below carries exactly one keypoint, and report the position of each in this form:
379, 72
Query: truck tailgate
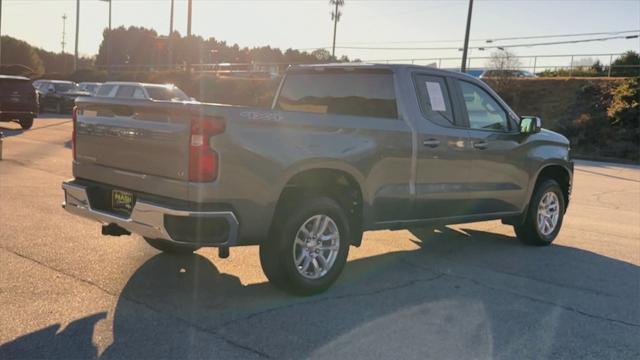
137, 139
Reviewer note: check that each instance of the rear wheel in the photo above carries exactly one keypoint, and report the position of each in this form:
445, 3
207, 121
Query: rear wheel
308, 246
544, 216
26, 123
171, 248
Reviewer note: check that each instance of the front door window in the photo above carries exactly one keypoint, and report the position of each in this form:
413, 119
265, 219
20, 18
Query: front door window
484, 112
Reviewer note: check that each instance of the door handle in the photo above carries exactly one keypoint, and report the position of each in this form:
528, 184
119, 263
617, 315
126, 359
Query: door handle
481, 145
432, 143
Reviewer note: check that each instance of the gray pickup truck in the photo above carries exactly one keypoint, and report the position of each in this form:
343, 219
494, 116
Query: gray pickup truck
343, 149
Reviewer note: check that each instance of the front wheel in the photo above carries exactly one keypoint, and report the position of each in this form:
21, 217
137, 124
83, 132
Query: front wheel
26, 123
171, 248
308, 246
544, 216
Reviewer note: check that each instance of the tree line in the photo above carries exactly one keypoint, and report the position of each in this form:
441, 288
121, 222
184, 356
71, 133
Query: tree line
21, 58
138, 46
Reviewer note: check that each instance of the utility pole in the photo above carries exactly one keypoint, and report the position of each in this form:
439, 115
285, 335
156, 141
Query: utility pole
170, 62
188, 35
0, 32
64, 31
463, 66
109, 43
64, 42
75, 58
335, 16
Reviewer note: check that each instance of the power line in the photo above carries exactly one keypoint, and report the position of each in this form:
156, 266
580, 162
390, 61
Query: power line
489, 40
491, 46
562, 35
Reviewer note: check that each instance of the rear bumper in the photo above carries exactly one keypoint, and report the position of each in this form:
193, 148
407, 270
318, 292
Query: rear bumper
150, 219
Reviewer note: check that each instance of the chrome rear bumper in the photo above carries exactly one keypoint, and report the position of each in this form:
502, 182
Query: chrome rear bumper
147, 219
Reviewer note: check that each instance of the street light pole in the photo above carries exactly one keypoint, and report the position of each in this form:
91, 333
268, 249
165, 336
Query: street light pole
109, 42
170, 62
75, 58
0, 32
463, 66
188, 35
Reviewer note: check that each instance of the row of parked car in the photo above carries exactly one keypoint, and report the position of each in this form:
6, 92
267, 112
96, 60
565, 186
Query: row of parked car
21, 99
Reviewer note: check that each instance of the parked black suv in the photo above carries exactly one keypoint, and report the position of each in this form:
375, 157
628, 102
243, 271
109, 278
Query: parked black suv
18, 100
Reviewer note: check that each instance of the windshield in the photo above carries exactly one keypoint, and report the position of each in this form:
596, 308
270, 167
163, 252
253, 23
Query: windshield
89, 87
164, 93
66, 87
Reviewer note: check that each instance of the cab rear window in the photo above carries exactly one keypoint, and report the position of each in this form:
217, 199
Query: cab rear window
368, 93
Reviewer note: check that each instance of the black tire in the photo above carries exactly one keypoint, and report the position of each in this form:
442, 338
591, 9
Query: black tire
171, 248
529, 232
26, 123
277, 253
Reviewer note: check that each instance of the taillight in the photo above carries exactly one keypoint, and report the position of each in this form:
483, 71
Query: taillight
74, 118
203, 160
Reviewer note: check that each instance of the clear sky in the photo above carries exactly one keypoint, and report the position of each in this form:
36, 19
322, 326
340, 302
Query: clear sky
307, 23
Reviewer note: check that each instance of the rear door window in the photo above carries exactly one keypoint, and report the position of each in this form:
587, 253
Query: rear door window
138, 93
104, 90
125, 91
435, 99
367, 93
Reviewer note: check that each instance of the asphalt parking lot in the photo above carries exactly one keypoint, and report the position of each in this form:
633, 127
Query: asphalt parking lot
459, 292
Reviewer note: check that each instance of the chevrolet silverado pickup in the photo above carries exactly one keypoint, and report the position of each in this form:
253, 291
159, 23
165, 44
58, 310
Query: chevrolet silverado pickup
343, 149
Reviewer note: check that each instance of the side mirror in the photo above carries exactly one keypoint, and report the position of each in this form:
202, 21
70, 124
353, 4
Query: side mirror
530, 125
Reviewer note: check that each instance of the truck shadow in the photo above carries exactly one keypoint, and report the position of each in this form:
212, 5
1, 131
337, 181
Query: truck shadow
8, 130
443, 300
13, 128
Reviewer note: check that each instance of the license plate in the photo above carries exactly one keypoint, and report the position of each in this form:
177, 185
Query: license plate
122, 201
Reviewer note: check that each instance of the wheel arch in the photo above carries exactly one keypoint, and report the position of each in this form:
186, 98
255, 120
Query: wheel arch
341, 183
558, 172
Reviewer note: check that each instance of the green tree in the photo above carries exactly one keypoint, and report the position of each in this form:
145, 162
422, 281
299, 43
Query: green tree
19, 52
136, 46
322, 55
628, 64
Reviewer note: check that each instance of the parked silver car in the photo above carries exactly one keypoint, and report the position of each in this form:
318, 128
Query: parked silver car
141, 91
